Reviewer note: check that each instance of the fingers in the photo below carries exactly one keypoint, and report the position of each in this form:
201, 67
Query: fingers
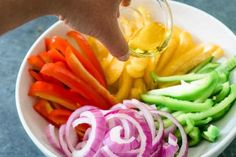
113, 39
125, 2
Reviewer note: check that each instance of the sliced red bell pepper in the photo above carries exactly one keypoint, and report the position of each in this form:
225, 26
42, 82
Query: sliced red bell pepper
81, 72
52, 80
59, 116
47, 42
62, 45
56, 94
88, 51
56, 56
59, 44
57, 106
35, 75
45, 57
43, 107
36, 62
68, 78
80, 130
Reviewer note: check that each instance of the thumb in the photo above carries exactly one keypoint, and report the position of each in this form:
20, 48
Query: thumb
112, 37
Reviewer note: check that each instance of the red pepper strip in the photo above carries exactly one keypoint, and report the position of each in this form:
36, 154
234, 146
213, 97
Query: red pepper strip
44, 108
56, 56
59, 44
36, 62
82, 73
47, 42
56, 94
57, 106
85, 47
59, 116
52, 80
68, 78
35, 75
62, 45
80, 130
45, 57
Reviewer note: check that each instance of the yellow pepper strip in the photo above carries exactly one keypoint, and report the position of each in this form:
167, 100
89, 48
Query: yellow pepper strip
106, 61
124, 87
99, 49
150, 68
200, 57
138, 88
134, 73
135, 93
166, 55
219, 52
186, 62
136, 66
114, 71
185, 44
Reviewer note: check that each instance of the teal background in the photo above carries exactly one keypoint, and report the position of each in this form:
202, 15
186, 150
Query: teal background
14, 45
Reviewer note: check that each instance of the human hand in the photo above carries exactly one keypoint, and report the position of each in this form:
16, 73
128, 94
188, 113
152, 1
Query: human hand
97, 18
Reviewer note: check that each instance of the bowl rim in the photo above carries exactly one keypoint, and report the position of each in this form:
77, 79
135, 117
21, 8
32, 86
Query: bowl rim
220, 146
17, 95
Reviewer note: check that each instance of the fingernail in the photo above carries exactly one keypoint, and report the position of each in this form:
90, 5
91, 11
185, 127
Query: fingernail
124, 58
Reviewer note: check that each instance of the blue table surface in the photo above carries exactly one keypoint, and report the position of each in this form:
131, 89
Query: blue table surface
14, 142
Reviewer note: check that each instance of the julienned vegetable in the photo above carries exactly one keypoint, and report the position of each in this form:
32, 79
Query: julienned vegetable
203, 96
129, 129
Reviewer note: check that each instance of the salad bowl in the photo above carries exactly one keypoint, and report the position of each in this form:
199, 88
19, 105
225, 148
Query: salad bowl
201, 25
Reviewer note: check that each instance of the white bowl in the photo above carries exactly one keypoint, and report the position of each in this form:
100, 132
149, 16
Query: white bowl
201, 25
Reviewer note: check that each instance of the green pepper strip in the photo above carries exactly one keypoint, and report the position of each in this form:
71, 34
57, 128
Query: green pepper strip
208, 68
211, 134
217, 108
202, 88
203, 122
187, 77
202, 64
179, 105
228, 65
195, 136
223, 93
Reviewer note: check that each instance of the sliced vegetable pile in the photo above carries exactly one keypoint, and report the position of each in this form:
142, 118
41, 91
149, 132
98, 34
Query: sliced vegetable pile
129, 129
130, 79
203, 96
67, 78
79, 71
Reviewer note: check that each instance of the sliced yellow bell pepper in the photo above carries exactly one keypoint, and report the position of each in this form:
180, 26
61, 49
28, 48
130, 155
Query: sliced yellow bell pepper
185, 62
124, 87
138, 88
114, 71
150, 68
219, 52
166, 55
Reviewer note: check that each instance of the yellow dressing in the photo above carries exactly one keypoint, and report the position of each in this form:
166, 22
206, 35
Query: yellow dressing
149, 37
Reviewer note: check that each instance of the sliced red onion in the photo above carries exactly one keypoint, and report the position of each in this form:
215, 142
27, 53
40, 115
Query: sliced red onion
62, 141
86, 134
127, 130
116, 144
107, 152
52, 137
145, 111
156, 143
80, 145
169, 130
143, 129
184, 148
169, 149
98, 129
71, 136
